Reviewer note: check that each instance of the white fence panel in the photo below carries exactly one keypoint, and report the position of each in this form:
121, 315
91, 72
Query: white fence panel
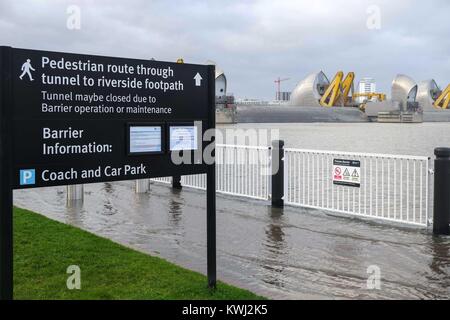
166, 180
394, 188
240, 171
243, 171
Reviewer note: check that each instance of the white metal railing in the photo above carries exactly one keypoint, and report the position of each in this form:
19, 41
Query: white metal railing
394, 188
244, 171
196, 181
240, 171
166, 180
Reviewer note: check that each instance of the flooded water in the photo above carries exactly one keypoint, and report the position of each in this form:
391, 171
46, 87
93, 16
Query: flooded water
417, 139
291, 253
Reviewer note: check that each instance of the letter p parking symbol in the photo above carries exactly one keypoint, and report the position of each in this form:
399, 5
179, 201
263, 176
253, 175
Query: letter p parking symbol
27, 177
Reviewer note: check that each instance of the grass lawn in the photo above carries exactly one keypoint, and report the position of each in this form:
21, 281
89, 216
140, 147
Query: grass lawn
43, 249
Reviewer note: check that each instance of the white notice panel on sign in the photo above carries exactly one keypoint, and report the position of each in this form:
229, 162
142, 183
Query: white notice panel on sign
347, 172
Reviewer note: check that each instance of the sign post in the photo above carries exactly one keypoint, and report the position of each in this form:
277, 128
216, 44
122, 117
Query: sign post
6, 218
211, 192
74, 119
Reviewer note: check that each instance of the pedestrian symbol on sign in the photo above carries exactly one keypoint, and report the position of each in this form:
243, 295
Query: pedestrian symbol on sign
26, 68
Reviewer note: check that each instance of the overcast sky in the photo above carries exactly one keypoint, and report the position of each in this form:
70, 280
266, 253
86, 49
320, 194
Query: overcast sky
253, 41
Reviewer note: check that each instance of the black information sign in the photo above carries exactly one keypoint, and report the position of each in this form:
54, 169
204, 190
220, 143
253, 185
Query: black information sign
72, 115
72, 119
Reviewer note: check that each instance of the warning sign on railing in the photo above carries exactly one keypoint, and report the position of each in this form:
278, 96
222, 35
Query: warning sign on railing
347, 172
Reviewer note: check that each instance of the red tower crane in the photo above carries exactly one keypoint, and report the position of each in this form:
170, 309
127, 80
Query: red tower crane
278, 82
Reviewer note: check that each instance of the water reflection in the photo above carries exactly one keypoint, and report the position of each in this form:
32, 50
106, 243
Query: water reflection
75, 213
141, 201
275, 246
175, 208
108, 187
440, 252
108, 209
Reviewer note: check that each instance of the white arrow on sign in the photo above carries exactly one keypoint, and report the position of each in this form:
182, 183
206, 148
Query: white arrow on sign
198, 79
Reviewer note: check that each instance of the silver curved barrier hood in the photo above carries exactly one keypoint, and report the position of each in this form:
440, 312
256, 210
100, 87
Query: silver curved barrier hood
427, 94
221, 79
404, 90
309, 91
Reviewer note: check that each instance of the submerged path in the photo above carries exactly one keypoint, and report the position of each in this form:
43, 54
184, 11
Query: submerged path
293, 253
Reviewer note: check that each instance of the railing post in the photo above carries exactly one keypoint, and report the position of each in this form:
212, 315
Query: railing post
176, 182
142, 185
278, 173
441, 214
75, 192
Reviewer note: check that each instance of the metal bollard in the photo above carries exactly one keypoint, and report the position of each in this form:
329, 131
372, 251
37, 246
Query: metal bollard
278, 173
75, 192
441, 215
176, 182
142, 186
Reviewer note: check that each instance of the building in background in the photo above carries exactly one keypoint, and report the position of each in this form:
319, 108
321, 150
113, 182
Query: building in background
366, 85
249, 101
283, 96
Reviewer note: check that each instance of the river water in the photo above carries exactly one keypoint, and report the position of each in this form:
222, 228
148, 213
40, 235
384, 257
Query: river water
290, 253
